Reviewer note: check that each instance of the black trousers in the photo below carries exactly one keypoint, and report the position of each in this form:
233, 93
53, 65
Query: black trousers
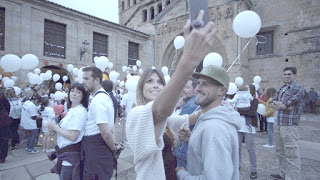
5, 134
14, 132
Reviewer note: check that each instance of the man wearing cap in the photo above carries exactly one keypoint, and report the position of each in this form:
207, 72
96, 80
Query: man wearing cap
213, 144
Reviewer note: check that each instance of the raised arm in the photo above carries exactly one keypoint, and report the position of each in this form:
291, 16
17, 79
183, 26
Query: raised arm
198, 43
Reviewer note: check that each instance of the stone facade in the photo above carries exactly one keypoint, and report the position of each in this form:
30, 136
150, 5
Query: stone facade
295, 26
24, 34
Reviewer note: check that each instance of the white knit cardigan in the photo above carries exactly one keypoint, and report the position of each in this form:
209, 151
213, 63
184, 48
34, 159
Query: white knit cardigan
146, 140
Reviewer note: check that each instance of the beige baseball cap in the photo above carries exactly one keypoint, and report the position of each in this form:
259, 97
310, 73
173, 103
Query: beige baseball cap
214, 72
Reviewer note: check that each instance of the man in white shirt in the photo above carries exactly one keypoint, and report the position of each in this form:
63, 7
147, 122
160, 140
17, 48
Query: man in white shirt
29, 116
98, 143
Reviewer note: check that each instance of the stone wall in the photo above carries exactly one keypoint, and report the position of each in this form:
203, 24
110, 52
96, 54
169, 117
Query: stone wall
296, 41
24, 33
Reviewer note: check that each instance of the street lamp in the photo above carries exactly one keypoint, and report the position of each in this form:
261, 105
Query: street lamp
84, 48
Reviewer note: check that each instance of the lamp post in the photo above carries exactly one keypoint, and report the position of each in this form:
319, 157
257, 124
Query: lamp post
84, 48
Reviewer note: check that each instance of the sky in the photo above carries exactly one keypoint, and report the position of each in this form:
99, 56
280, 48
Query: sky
104, 9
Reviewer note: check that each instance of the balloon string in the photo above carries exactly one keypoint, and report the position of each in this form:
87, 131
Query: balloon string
240, 54
174, 60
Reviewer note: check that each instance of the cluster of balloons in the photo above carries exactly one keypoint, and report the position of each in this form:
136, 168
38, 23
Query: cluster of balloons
12, 63
102, 63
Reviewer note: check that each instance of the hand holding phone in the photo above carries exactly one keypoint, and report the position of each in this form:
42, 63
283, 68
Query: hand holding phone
194, 8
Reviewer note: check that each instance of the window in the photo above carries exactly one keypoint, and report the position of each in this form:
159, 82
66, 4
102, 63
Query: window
266, 45
159, 8
133, 53
100, 45
151, 12
54, 39
167, 2
2, 27
122, 5
144, 16
128, 3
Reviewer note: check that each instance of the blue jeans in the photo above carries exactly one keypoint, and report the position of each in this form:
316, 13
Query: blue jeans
270, 133
180, 151
66, 173
32, 136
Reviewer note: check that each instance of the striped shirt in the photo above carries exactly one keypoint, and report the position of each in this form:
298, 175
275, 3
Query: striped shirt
291, 96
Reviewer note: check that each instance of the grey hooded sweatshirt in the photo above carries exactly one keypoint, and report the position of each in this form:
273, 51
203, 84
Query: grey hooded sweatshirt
213, 151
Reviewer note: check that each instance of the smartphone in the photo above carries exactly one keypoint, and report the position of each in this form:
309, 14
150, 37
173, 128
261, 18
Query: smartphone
194, 8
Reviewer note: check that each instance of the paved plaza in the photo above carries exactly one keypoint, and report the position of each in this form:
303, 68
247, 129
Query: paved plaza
20, 165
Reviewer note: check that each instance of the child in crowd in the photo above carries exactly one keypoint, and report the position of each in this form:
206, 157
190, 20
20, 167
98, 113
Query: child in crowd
242, 98
47, 114
269, 114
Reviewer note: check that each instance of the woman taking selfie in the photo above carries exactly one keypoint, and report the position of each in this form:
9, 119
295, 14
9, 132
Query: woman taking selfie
148, 121
70, 131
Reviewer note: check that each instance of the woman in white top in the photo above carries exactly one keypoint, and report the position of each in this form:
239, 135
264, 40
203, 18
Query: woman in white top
47, 115
147, 122
70, 131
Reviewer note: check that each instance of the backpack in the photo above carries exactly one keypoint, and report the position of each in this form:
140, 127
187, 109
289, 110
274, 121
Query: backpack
16, 109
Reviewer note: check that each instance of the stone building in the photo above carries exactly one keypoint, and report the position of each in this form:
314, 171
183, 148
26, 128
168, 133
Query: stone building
59, 36
290, 30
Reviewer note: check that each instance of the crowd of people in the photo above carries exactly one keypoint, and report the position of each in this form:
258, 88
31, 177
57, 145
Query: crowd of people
186, 129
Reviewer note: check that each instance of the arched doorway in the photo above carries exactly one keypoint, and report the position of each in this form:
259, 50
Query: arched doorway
57, 70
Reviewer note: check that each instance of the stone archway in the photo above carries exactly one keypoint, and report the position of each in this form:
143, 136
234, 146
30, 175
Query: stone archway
57, 70
170, 51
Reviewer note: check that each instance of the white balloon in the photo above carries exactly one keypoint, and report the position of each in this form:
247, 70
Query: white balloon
10, 63
246, 24
95, 58
138, 63
29, 61
70, 67
131, 83
8, 83
17, 90
128, 68
113, 75
80, 75
47, 76
110, 65
121, 84
124, 68
65, 78
76, 79
37, 71
213, 59
232, 89
164, 70
167, 78
34, 79
4, 79
239, 81
42, 75
14, 78
49, 71
40, 81
29, 74
257, 79
256, 85
134, 68
102, 63
178, 42
58, 95
75, 71
133, 97
153, 67
261, 109
140, 71
58, 86
56, 77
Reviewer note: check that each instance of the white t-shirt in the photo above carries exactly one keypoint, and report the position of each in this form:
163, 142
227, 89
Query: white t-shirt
125, 101
29, 109
74, 120
100, 111
47, 116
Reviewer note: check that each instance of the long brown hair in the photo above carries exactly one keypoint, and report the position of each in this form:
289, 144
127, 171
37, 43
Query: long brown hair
85, 96
141, 100
270, 93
